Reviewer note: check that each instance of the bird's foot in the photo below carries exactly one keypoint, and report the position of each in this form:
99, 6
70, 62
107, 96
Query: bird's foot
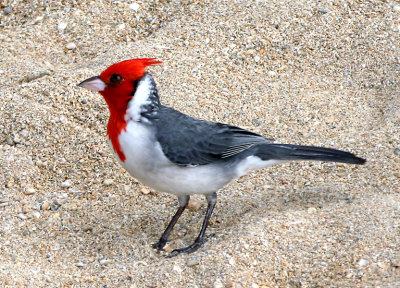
190, 249
159, 245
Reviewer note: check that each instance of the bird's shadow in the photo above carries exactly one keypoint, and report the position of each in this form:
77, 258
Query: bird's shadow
240, 204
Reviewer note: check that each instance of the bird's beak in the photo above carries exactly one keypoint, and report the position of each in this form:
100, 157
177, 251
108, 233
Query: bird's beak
93, 83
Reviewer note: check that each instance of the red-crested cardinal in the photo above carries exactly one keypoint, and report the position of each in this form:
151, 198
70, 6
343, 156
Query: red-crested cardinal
175, 153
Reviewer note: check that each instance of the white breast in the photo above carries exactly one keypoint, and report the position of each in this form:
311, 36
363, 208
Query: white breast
147, 163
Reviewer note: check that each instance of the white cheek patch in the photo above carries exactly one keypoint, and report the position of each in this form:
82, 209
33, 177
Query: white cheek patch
140, 98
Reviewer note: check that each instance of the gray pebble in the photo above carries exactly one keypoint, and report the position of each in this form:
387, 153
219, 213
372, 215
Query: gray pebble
66, 184
105, 261
35, 75
8, 10
55, 205
4, 200
193, 261
397, 151
21, 216
10, 141
35, 214
70, 46
395, 262
17, 139
108, 182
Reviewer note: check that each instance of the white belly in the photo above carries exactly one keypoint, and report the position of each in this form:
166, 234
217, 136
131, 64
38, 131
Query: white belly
147, 163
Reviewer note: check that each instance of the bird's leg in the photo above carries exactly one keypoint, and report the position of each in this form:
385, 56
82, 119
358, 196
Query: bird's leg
183, 201
200, 240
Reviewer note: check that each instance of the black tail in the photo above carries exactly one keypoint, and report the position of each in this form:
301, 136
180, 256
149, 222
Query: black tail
298, 152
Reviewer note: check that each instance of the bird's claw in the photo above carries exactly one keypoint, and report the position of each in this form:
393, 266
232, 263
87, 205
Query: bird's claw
190, 249
159, 245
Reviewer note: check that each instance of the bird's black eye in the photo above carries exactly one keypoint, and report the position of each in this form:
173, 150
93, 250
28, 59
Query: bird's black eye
115, 78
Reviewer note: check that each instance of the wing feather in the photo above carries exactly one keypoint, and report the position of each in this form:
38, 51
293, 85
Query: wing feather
189, 141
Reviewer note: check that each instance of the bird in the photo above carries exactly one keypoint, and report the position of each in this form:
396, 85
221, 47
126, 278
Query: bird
175, 153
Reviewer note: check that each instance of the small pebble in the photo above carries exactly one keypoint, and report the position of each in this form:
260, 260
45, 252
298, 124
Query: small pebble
232, 261
71, 46
35, 75
177, 269
363, 262
395, 262
256, 122
4, 200
45, 206
22, 216
37, 20
35, 214
311, 210
257, 58
397, 151
121, 26
145, 190
10, 184
26, 209
330, 119
134, 6
87, 229
24, 133
61, 26
105, 261
29, 191
396, 8
80, 264
193, 261
108, 182
66, 184
10, 141
194, 204
55, 205
8, 10
40, 163
218, 284
17, 139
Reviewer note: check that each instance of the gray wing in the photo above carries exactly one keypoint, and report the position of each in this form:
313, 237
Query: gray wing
189, 141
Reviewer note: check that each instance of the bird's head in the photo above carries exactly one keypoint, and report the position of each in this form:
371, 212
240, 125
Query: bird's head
117, 83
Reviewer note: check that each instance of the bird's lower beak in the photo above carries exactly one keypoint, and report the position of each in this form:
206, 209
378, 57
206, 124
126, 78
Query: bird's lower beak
93, 83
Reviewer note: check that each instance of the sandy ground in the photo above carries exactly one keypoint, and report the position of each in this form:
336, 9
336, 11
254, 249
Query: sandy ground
308, 72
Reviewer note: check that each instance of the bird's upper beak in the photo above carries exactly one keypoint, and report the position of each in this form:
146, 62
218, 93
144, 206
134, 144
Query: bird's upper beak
94, 84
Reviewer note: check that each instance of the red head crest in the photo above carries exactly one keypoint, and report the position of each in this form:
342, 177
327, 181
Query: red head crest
133, 69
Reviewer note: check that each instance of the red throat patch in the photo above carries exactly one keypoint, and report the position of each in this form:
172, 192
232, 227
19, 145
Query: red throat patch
114, 129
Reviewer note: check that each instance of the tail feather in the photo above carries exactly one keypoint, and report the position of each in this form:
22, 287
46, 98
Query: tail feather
299, 152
